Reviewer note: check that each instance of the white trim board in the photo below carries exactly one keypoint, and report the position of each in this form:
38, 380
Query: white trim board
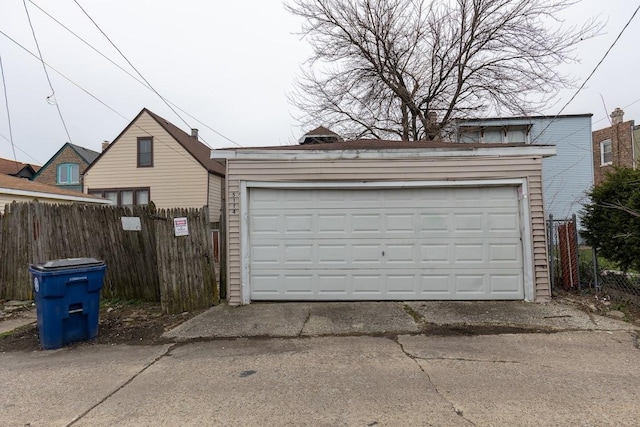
54, 196
382, 154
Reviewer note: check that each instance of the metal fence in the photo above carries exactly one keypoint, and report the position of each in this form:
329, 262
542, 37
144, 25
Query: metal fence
576, 267
563, 252
620, 286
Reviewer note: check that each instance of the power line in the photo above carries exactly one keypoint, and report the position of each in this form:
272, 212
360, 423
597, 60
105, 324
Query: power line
594, 69
6, 103
132, 66
21, 150
131, 75
51, 98
189, 157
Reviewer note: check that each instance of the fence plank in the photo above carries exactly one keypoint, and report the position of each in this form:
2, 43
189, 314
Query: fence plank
185, 263
151, 264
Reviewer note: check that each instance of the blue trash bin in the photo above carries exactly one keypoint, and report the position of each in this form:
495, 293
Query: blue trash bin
67, 294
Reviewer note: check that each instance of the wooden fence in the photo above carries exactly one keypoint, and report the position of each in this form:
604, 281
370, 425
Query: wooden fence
150, 264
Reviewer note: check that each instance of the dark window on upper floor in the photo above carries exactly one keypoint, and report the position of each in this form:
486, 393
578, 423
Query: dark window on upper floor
145, 152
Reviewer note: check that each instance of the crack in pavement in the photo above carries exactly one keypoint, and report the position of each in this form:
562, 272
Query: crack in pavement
126, 383
462, 359
304, 324
458, 411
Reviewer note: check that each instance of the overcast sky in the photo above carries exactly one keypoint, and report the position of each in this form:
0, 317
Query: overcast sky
228, 64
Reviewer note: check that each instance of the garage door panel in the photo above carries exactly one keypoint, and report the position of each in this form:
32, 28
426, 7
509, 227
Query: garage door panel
431, 284
435, 253
502, 222
366, 283
335, 284
503, 253
504, 283
412, 285
335, 253
419, 243
470, 283
469, 222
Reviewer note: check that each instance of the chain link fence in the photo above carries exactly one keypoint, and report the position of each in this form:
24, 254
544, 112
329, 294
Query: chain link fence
576, 267
623, 287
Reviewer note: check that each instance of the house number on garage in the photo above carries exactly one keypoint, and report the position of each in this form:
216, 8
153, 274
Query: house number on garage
180, 226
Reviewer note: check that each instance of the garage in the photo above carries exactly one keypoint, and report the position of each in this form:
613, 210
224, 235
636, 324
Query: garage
385, 220
451, 243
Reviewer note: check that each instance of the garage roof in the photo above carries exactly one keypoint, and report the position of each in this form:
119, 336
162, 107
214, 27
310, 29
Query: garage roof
376, 148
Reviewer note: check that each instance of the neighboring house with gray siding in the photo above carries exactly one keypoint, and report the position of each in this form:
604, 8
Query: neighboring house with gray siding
65, 169
568, 176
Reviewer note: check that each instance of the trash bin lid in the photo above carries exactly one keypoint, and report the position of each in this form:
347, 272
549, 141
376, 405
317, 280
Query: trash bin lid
67, 263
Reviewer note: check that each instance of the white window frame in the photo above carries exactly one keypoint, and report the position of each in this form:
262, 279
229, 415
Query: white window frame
602, 144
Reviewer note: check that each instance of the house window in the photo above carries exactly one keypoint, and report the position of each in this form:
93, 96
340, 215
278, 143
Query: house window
128, 197
606, 153
68, 173
145, 152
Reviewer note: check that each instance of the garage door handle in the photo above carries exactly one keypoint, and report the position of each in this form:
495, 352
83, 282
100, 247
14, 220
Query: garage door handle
382, 253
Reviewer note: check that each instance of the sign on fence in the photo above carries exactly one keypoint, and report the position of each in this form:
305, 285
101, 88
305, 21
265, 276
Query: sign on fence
149, 265
180, 226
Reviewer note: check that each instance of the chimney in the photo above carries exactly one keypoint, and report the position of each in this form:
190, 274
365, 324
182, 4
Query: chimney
617, 116
194, 133
105, 144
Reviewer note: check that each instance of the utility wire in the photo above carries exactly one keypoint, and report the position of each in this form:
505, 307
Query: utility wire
130, 74
594, 69
21, 150
51, 98
6, 103
188, 157
134, 68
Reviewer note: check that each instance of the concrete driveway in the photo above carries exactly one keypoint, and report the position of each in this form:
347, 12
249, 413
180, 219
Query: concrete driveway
333, 366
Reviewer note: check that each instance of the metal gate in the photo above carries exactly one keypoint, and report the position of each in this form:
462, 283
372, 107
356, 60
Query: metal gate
563, 252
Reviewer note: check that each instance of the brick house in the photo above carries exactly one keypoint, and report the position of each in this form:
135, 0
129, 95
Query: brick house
614, 146
66, 168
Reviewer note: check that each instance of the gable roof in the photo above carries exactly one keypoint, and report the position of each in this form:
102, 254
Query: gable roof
321, 131
200, 152
85, 154
319, 135
14, 185
11, 167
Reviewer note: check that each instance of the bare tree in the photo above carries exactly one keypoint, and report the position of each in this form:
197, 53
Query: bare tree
406, 68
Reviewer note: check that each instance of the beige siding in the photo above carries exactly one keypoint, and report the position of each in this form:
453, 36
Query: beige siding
216, 184
175, 180
387, 170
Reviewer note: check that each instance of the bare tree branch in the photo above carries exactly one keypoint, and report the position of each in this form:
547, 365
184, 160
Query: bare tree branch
388, 68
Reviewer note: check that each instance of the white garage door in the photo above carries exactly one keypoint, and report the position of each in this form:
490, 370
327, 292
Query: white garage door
456, 243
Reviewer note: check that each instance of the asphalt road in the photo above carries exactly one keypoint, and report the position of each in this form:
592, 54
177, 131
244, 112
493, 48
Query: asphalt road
563, 378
